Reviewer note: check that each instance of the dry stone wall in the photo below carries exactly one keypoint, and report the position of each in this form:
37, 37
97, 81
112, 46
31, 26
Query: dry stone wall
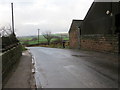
9, 58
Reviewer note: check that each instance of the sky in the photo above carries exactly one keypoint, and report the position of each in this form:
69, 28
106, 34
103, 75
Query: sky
47, 15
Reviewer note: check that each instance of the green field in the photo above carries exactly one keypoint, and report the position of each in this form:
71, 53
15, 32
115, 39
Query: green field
34, 39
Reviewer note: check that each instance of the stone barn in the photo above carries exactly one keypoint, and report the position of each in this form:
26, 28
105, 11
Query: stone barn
99, 31
74, 34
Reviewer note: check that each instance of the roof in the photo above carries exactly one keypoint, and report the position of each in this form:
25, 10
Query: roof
75, 23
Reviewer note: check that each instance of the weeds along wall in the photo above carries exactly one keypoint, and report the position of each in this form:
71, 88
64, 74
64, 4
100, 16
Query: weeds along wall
9, 58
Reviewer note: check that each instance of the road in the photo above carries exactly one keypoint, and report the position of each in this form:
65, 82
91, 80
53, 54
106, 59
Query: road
66, 68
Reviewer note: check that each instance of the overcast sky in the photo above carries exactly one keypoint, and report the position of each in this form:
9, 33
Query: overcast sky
47, 15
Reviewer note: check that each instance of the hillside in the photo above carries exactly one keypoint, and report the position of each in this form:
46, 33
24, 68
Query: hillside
30, 40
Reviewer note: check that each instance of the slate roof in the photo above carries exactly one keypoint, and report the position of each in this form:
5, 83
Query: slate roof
75, 24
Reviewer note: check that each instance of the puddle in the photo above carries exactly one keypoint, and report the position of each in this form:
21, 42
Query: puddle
81, 56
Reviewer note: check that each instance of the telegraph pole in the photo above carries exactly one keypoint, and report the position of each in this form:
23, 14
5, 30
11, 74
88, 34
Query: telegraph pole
12, 18
38, 36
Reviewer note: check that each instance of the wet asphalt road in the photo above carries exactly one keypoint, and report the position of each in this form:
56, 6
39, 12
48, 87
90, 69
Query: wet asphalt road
64, 68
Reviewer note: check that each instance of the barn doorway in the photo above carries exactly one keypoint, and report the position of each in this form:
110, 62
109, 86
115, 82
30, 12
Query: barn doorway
117, 23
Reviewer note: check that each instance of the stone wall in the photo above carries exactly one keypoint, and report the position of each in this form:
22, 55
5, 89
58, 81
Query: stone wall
73, 36
0, 64
9, 58
74, 33
102, 43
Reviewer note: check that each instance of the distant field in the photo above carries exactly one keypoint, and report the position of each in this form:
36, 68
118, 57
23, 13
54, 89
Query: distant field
34, 39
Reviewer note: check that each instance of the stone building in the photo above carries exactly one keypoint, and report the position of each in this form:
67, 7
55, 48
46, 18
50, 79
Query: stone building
99, 31
74, 34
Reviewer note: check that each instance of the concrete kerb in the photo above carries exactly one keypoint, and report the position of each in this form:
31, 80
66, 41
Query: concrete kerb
34, 70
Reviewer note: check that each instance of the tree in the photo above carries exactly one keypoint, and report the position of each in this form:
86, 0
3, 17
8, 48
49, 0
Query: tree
8, 37
48, 36
5, 30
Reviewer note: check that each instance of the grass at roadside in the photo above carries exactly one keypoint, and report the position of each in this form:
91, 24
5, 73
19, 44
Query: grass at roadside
23, 48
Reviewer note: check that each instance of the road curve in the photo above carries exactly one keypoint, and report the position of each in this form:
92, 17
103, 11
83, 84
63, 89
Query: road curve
64, 68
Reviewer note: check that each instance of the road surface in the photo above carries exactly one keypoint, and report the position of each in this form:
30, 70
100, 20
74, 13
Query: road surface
65, 68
